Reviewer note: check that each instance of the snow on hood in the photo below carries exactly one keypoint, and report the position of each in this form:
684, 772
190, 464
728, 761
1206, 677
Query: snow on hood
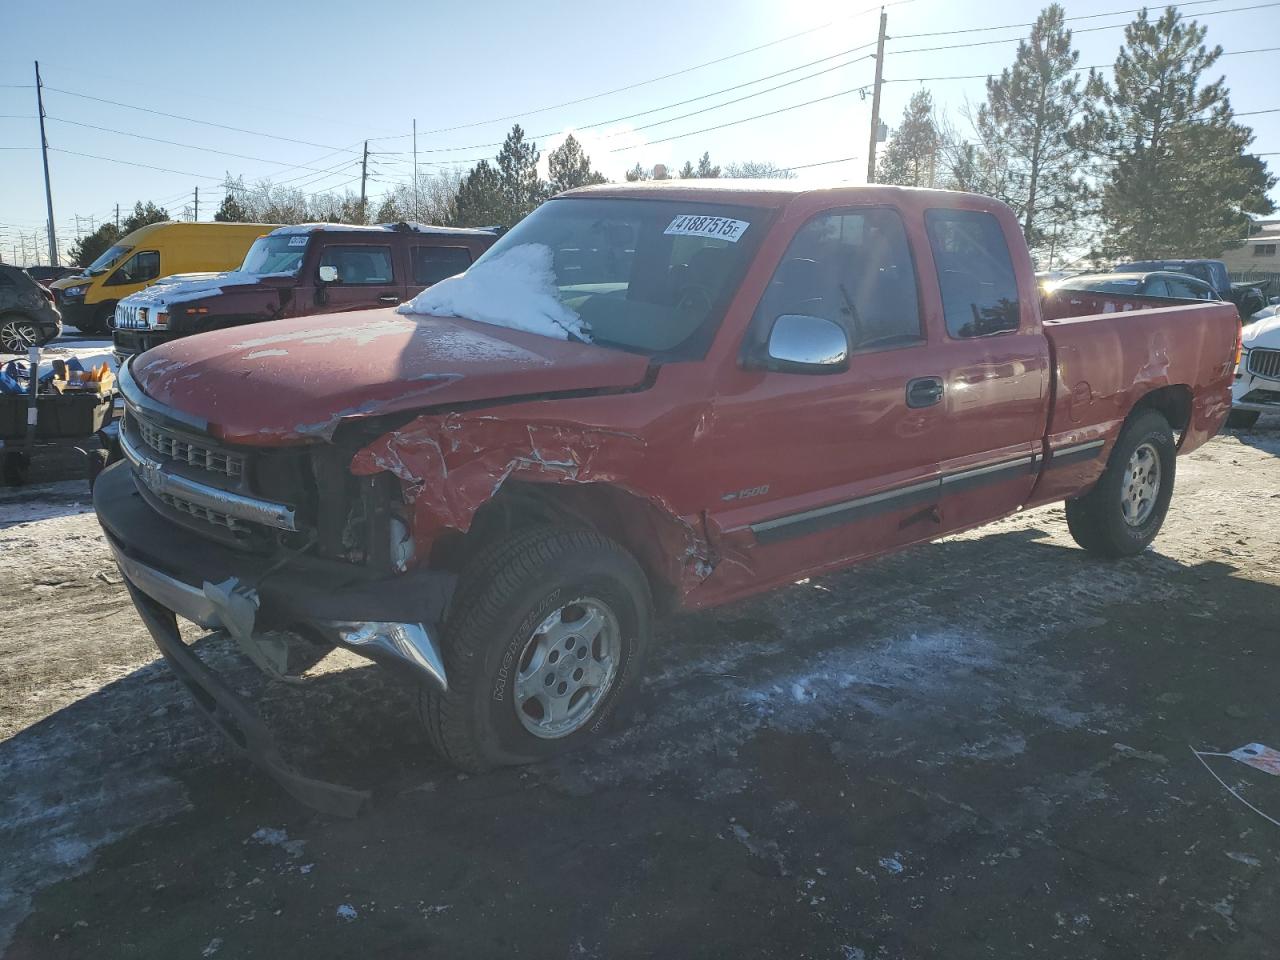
514, 289
1263, 333
192, 286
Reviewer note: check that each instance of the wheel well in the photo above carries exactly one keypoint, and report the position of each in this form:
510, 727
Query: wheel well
654, 537
1173, 402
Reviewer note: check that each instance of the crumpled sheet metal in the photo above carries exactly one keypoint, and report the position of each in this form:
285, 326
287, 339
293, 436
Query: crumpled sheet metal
452, 464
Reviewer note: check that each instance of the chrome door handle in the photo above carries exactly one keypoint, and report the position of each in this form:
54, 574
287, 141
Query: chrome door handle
389, 298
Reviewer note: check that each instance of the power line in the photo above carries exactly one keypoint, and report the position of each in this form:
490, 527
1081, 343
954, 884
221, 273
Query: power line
642, 83
133, 163
732, 123
207, 123
1112, 26
1016, 26
187, 146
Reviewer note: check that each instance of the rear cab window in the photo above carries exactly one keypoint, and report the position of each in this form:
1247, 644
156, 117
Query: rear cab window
975, 273
852, 267
432, 264
360, 263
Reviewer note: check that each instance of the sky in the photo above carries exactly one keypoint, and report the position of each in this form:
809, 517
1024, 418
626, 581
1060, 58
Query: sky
306, 84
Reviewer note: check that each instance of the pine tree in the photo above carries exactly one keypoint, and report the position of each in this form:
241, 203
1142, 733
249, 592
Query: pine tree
231, 211
687, 172
705, 169
638, 173
93, 245
521, 188
143, 215
569, 167
1177, 180
480, 201
912, 155
1029, 125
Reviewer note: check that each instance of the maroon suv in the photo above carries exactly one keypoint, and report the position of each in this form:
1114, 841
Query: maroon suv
296, 271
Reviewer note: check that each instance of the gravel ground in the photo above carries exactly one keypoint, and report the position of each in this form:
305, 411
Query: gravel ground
980, 748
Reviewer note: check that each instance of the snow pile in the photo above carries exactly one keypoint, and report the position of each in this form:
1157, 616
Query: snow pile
192, 286
514, 289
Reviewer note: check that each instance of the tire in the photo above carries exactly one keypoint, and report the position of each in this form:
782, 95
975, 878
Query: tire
17, 333
510, 629
1242, 419
98, 460
1099, 521
16, 467
100, 321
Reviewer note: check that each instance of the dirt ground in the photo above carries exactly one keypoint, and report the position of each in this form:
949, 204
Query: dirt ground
980, 748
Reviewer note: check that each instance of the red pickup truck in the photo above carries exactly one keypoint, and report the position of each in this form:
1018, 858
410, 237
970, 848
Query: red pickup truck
642, 398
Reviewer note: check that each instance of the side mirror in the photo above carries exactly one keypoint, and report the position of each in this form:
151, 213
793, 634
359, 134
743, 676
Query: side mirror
799, 343
328, 274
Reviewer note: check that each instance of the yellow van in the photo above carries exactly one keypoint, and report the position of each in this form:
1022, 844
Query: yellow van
139, 259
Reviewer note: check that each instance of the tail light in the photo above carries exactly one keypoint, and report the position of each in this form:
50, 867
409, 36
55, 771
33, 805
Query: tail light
1239, 345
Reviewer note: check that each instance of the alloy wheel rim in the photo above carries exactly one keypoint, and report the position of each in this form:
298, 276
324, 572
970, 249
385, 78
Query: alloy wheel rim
567, 668
19, 335
1140, 486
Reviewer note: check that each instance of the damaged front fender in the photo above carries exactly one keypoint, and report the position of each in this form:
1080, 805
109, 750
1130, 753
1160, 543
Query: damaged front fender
452, 464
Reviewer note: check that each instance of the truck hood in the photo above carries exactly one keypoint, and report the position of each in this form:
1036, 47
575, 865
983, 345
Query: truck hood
295, 380
184, 287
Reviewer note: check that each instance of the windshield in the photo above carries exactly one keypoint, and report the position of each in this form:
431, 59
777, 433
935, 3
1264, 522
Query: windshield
108, 260
649, 276
276, 254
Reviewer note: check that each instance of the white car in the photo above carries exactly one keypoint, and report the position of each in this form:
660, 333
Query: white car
1257, 385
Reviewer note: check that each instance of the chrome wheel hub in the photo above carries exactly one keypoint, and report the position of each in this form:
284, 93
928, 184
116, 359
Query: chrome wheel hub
567, 667
1140, 486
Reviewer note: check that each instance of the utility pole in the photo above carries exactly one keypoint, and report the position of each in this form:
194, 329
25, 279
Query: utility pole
117, 218
44, 152
416, 213
364, 174
875, 100
196, 217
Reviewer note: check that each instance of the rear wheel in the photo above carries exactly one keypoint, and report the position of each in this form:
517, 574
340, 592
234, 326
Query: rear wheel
1124, 511
17, 333
1242, 419
546, 636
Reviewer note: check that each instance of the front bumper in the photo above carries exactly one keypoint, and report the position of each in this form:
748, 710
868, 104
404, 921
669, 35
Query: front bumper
126, 343
1252, 392
172, 572
77, 313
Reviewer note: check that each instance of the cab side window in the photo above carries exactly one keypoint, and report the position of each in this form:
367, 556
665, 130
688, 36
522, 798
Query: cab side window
975, 273
855, 269
1157, 287
363, 264
141, 267
433, 264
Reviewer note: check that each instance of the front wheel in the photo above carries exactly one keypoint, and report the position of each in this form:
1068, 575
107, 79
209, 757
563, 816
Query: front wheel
17, 334
1123, 513
547, 633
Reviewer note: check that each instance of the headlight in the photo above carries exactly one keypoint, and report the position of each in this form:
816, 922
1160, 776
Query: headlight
74, 291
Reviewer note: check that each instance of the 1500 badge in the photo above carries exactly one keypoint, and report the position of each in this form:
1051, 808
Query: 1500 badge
744, 494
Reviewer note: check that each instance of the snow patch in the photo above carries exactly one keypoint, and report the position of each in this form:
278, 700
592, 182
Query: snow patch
892, 864
183, 287
346, 912
274, 837
514, 289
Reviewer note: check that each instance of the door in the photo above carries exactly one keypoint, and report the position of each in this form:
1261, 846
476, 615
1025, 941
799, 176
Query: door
995, 361
366, 278
822, 468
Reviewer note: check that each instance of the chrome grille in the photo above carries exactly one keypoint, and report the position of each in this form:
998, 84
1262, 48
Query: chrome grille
1265, 363
204, 513
196, 455
131, 318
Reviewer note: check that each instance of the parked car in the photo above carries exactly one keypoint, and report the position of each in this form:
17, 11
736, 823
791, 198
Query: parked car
137, 260
28, 317
297, 271
46, 275
643, 398
1247, 296
1257, 385
1163, 284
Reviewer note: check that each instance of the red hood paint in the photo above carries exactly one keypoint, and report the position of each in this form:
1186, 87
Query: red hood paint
294, 380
